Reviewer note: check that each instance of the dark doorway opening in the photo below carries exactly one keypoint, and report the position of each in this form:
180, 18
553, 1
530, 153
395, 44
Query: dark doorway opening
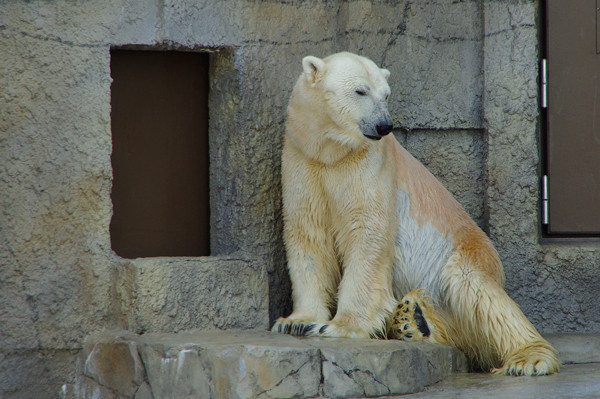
159, 121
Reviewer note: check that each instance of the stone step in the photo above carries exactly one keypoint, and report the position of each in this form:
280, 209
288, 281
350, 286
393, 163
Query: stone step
255, 364
165, 294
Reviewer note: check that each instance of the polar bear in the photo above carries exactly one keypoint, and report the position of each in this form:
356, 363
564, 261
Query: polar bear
366, 223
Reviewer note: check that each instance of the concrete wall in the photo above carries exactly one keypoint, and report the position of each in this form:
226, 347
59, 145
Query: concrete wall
464, 100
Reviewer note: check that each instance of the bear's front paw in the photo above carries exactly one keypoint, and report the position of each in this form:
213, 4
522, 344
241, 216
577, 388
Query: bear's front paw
291, 326
414, 319
336, 329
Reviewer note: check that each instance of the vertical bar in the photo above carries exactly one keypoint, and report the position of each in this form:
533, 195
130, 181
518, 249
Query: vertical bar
597, 26
545, 200
544, 83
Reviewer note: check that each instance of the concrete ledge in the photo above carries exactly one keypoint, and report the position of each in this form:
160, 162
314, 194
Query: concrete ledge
255, 364
179, 294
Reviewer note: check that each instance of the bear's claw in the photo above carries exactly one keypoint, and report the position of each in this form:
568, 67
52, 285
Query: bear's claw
309, 328
332, 328
292, 326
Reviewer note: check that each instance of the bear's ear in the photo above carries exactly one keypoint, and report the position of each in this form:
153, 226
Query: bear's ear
312, 66
385, 72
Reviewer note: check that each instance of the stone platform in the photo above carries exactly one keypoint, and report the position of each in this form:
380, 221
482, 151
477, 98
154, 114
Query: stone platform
259, 364
255, 364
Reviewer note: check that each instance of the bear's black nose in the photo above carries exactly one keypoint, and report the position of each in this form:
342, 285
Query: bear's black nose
384, 128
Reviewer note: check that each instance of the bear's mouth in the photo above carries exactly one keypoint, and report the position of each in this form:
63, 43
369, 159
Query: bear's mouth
376, 138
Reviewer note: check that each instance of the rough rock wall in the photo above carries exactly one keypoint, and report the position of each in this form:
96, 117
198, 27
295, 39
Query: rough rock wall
55, 183
464, 101
59, 279
430, 47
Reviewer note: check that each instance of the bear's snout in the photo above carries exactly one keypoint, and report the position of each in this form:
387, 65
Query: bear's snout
377, 131
384, 128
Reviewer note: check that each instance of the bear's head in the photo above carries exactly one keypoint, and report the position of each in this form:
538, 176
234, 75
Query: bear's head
353, 92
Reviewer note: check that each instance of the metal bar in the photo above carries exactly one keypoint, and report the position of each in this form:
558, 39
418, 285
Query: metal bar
597, 26
545, 201
544, 83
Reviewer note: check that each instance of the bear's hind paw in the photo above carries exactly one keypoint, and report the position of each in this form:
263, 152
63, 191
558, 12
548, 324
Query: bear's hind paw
540, 367
414, 320
536, 359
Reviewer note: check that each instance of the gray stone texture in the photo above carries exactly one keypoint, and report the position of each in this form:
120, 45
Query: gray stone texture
430, 48
465, 102
256, 364
174, 294
576, 347
375, 368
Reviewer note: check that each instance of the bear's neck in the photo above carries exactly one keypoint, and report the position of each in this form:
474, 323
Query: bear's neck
311, 131
312, 141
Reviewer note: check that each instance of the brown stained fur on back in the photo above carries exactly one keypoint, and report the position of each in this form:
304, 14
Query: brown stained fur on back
433, 203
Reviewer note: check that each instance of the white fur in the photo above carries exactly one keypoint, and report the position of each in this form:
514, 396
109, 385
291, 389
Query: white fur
422, 251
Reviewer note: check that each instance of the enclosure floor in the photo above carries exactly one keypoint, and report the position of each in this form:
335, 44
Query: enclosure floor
573, 381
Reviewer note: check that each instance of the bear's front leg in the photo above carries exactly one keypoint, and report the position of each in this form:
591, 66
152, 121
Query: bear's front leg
314, 274
365, 301
312, 261
365, 298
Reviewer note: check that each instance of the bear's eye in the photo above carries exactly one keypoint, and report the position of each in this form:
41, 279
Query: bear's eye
361, 92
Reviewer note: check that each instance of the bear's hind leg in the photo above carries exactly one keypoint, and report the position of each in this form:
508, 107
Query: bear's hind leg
491, 328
